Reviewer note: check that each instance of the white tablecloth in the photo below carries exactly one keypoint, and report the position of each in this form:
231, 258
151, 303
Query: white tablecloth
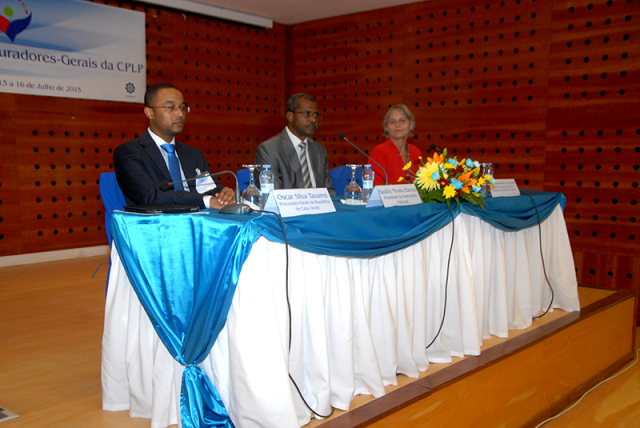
355, 322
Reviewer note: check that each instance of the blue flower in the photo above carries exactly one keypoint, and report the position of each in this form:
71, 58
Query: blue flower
452, 161
456, 184
475, 188
435, 176
470, 163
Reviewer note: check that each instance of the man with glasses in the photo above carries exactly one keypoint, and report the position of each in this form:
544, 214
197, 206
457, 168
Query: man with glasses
296, 159
144, 166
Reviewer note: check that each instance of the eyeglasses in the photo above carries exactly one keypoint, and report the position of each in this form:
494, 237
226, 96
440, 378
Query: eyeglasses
172, 109
309, 114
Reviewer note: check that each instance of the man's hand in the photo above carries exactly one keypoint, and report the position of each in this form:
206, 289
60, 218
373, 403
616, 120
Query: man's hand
225, 197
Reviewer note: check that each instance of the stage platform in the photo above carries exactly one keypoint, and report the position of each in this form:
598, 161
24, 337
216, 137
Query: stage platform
515, 382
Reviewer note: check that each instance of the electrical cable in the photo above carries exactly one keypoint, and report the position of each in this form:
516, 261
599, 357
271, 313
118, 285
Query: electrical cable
542, 257
286, 245
585, 394
108, 261
446, 282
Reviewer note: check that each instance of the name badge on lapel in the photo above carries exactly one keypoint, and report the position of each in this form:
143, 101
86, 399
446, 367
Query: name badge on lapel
204, 182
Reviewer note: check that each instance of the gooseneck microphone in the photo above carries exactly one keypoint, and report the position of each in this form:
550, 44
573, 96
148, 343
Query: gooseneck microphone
386, 176
434, 147
168, 185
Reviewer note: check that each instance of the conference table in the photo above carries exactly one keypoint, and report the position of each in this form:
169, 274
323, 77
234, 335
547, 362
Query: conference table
363, 295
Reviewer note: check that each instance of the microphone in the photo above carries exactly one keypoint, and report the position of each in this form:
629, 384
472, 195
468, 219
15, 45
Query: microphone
238, 207
168, 185
433, 147
386, 176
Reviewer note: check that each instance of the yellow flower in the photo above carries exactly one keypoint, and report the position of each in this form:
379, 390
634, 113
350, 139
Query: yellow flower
401, 179
420, 157
481, 181
487, 177
449, 166
424, 176
407, 166
449, 191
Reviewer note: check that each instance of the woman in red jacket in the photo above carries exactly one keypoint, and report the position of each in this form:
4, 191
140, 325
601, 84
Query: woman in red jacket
396, 152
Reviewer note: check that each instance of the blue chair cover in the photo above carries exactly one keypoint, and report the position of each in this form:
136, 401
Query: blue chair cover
243, 179
341, 176
112, 199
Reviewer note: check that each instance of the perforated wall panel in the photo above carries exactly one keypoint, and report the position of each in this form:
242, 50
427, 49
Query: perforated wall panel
54, 149
593, 135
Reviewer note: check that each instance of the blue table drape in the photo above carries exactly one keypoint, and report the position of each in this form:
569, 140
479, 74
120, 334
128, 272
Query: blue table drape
518, 212
184, 269
355, 231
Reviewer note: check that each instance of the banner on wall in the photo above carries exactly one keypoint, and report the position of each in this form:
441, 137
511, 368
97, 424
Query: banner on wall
74, 49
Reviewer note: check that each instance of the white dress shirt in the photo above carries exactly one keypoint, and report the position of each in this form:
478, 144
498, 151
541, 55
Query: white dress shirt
296, 145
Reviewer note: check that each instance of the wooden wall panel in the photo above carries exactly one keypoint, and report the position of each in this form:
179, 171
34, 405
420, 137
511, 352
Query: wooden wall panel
593, 135
234, 78
9, 179
476, 75
62, 146
54, 149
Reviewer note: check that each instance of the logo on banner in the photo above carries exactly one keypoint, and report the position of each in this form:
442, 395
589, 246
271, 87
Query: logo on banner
15, 17
130, 87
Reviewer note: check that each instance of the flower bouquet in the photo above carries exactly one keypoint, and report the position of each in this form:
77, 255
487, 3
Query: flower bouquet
443, 178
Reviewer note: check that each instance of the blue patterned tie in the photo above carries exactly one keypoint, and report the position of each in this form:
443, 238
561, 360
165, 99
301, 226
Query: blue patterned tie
303, 164
174, 165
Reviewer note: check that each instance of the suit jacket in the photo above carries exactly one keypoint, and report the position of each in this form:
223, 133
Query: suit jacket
279, 152
140, 168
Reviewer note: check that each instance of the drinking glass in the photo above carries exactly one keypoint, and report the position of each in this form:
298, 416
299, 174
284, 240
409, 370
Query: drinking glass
251, 193
353, 191
486, 169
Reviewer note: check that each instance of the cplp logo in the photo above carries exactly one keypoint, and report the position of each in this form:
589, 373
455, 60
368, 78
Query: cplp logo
15, 17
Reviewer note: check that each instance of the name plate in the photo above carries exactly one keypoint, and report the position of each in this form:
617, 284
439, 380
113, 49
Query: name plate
293, 202
505, 187
394, 195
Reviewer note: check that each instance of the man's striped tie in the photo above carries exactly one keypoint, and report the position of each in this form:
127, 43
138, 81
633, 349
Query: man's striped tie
303, 164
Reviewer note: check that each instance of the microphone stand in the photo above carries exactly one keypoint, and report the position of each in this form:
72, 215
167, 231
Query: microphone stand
238, 207
386, 176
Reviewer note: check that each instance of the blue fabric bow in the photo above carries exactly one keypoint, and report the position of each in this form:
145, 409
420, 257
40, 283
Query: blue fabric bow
180, 269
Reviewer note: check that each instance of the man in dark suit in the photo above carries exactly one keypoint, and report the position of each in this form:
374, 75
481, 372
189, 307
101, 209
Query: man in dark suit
144, 165
296, 159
